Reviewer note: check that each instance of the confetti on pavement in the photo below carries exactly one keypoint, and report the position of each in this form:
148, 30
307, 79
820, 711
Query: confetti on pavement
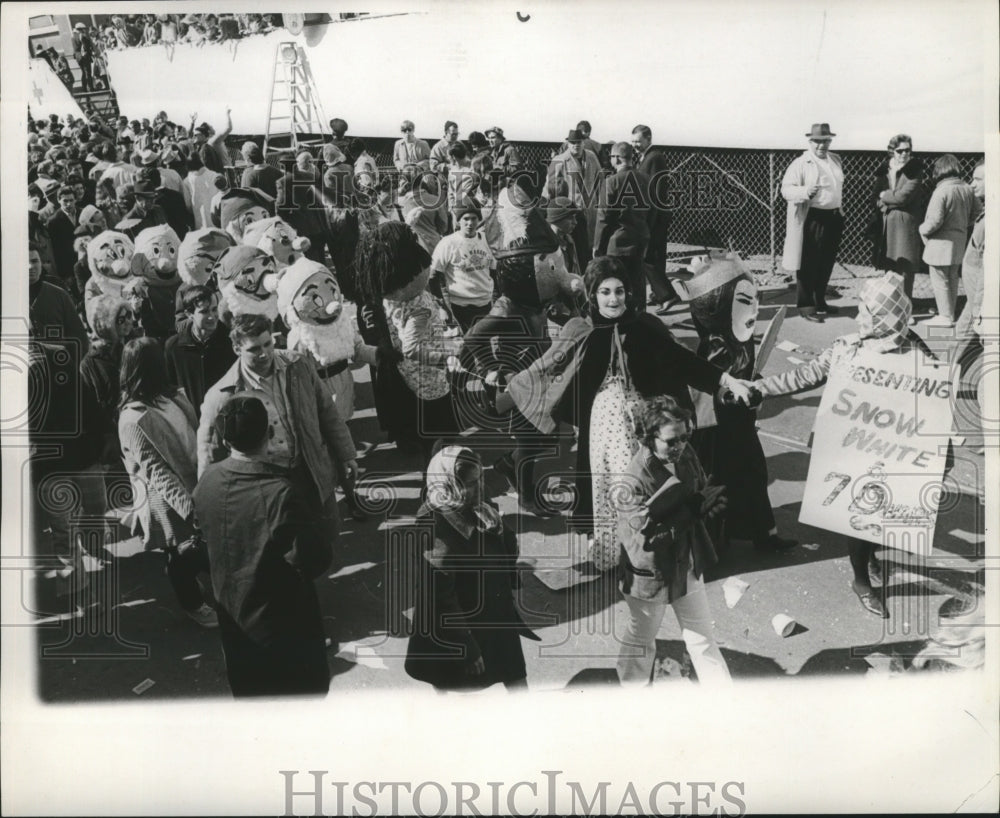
353, 569
733, 589
143, 686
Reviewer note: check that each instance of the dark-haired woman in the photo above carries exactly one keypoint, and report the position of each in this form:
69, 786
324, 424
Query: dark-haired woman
157, 429
663, 504
900, 201
951, 212
398, 315
592, 376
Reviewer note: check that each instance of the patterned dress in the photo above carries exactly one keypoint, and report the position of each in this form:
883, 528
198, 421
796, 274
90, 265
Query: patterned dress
612, 445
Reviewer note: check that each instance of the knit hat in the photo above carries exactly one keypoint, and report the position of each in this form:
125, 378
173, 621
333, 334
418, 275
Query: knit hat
239, 200
242, 422
467, 206
884, 312
497, 130
102, 315
294, 277
199, 251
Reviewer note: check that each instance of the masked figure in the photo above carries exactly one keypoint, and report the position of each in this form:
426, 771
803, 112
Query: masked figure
247, 281
278, 239
723, 300
109, 256
312, 305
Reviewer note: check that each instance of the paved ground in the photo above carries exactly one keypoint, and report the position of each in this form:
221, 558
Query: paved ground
365, 613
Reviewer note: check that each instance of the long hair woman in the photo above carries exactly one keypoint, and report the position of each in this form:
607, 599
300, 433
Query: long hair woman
157, 429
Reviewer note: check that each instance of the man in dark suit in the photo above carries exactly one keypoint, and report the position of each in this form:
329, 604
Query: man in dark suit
263, 560
62, 226
653, 163
622, 228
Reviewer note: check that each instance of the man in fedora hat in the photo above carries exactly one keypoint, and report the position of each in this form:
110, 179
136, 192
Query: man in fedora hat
813, 187
576, 174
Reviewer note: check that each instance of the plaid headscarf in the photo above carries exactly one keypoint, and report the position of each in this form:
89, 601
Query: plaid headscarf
446, 495
884, 312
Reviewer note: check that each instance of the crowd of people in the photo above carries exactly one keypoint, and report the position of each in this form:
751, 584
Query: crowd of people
213, 328
92, 41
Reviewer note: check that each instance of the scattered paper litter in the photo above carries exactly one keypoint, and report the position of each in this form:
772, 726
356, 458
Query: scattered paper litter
470, 431
733, 589
810, 546
192, 656
787, 346
143, 686
793, 360
353, 569
134, 602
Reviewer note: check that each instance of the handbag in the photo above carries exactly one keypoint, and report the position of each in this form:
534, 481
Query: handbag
632, 399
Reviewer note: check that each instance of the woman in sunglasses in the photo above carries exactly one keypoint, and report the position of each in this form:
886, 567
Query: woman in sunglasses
900, 202
662, 506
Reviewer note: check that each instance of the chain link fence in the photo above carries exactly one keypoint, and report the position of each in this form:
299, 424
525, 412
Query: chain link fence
723, 196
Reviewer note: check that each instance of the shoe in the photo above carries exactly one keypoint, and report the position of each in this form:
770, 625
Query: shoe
811, 316
876, 570
354, 510
775, 543
958, 606
826, 309
870, 601
204, 616
505, 468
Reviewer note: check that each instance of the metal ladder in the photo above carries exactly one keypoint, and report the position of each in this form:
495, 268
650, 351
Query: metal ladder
304, 124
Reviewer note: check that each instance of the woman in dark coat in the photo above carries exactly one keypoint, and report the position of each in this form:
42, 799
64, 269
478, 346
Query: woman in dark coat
900, 199
467, 630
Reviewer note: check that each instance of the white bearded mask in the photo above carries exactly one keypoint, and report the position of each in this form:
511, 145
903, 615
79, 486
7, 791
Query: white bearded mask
246, 283
313, 308
109, 256
155, 257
